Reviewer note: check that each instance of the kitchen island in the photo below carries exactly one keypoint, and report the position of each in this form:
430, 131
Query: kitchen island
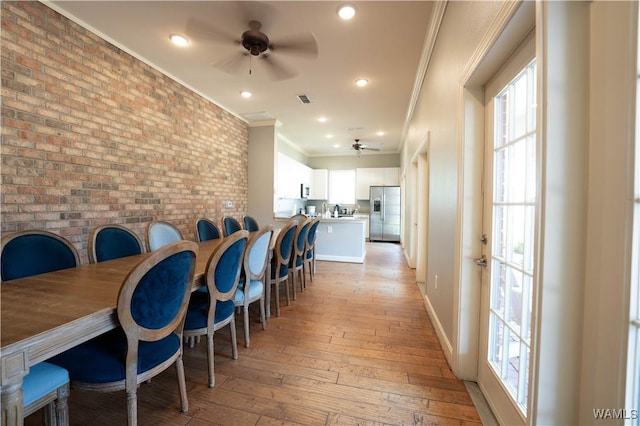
341, 240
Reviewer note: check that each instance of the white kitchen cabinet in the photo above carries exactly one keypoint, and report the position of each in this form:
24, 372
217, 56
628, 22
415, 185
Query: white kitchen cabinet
375, 176
292, 174
319, 184
391, 176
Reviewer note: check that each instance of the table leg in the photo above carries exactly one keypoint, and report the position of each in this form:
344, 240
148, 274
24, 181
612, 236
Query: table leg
14, 368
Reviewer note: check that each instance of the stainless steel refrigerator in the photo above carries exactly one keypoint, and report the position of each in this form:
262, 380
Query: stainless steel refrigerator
384, 213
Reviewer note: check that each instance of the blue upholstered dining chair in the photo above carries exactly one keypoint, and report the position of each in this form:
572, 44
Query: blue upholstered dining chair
108, 242
252, 285
280, 262
250, 224
161, 233
207, 230
211, 310
296, 261
23, 254
310, 249
34, 252
230, 225
151, 308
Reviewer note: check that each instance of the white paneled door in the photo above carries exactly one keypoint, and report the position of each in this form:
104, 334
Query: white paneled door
508, 260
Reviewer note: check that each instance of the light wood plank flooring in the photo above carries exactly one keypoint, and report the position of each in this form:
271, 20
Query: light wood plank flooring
355, 348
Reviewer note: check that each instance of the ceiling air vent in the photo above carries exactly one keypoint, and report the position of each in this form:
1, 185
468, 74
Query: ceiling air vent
304, 99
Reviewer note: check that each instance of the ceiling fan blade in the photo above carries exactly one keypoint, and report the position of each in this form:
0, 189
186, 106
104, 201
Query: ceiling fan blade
369, 149
233, 64
304, 44
200, 29
277, 69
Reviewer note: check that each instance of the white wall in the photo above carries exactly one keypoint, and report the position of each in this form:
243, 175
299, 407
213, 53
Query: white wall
351, 160
463, 25
261, 186
610, 204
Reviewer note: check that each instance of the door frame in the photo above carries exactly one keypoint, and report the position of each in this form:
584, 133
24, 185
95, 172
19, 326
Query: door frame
513, 23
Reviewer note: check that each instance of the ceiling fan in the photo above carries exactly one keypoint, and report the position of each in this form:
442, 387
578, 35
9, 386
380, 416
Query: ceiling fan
256, 44
359, 147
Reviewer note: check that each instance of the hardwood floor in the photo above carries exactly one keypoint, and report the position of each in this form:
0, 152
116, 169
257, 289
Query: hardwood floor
355, 348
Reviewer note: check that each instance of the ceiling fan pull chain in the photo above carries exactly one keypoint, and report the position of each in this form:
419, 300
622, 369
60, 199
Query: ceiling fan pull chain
249, 64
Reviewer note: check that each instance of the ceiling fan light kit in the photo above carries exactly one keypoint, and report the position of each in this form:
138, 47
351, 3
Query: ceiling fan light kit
358, 147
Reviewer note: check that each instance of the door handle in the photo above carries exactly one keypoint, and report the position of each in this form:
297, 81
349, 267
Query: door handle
481, 261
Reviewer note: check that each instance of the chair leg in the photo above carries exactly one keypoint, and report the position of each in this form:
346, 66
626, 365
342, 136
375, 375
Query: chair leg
132, 408
48, 414
212, 376
246, 325
277, 286
263, 316
286, 287
234, 339
62, 408
182, 386
303, 284
293, 277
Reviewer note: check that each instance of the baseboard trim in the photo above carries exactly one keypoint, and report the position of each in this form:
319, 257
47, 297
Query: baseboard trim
447, 348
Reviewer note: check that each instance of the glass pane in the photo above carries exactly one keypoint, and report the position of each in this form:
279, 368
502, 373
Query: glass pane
499, 237
501, 127
342, 186
498, 285
515, 299
527, 287
530, 173
496, 331
521, 106
515, 235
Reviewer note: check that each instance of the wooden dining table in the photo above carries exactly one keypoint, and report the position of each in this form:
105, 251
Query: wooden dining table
44, 315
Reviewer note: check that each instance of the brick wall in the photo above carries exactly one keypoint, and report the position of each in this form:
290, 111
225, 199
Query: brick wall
91, 135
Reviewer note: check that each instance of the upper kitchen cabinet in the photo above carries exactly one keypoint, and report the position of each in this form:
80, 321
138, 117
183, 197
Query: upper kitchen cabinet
319, 184
375, 176
391, 176
291, 175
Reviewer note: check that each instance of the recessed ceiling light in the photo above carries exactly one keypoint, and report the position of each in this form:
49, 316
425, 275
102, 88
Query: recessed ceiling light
380, 133
246, 94
347, 12
361, 82
179, 40
329, 136
336, 145
322, 119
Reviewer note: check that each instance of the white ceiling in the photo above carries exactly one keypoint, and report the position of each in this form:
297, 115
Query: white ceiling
383, 44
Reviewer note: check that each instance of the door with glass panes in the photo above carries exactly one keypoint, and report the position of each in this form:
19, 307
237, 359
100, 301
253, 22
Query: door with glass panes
510, 197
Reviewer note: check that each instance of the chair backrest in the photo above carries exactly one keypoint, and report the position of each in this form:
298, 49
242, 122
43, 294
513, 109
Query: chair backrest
298, 218
207, 230
108, 242
282, 250
311, 235
250, 224
224, 266
257, 254
230, 225
299, 243
154, 296
161, 233
33, 252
